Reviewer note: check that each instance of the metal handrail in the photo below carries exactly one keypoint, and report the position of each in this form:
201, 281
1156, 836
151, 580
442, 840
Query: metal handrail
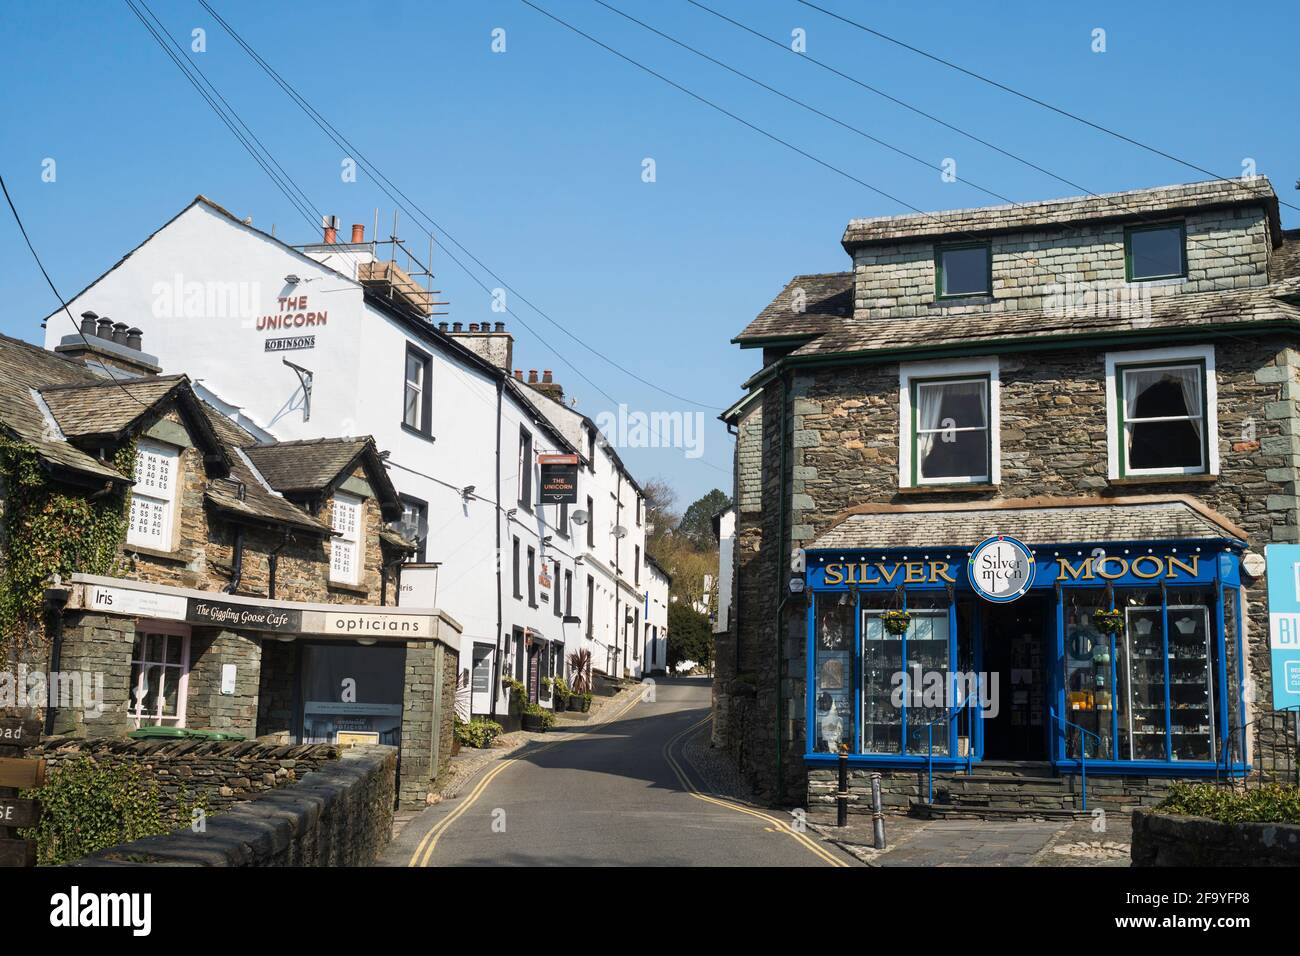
947, 717
1083, 751
1224, 760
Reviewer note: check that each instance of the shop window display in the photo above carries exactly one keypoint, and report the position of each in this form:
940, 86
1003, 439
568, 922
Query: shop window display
833, 710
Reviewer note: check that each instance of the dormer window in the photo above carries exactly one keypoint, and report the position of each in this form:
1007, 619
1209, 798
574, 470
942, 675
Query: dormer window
153, 498
1155, 252
963, 270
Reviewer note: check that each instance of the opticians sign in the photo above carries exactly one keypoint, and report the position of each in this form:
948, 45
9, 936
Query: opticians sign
1000, 569
1283, 569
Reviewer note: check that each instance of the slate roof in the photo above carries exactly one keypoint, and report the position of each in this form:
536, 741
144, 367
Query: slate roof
1182, 311
305, 466
259, 502
24, 369
828, 305
1057, 212
1040, 521
106, 408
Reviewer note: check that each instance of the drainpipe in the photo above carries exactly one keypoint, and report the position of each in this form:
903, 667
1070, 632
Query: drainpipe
237, 563
496, 511
56, 598
782, 578
273, 562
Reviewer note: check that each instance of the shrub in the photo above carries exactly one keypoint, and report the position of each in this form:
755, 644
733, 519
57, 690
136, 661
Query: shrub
478, 733
537, 710
1271, 803
88, 806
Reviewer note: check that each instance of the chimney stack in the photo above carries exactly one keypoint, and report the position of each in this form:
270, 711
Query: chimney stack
101, 343
548, 386
494, 345
358, 233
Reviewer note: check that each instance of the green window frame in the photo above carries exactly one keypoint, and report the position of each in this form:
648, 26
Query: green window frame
914, 388
1122, 423
1129, 231
939, 250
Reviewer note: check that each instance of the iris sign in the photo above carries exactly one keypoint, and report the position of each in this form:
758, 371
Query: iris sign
1283, 563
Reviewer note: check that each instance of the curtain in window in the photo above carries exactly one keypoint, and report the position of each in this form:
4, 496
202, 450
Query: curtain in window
929, 408
1163, 409
952, 430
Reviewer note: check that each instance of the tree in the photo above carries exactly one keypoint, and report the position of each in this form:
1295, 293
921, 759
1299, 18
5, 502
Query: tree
696, 525
660, 517
689, 636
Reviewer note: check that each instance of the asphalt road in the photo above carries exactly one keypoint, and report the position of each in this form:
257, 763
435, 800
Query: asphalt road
619, 793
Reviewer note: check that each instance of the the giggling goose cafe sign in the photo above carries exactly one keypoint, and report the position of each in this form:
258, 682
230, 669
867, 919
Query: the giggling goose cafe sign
1002, 569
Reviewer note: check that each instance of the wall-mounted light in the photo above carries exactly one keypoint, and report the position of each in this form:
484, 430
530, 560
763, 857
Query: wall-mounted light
467, 492
510, 515
291, 279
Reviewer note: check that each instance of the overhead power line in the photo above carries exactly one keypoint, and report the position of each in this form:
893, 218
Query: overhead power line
808, 58
1027, 97
343, 143
50, 282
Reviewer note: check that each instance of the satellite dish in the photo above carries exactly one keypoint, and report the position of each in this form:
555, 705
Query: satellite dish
579, 517
620, 531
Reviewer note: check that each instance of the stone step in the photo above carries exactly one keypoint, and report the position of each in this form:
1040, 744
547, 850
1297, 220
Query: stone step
948, 811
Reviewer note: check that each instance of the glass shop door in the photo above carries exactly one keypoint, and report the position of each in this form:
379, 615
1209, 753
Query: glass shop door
348, 688
1016, 655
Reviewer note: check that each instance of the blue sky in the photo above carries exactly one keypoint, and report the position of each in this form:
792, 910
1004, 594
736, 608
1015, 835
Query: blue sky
533, 158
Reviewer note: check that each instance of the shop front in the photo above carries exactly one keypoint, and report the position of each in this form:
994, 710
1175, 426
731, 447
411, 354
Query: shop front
940, 639
286, 671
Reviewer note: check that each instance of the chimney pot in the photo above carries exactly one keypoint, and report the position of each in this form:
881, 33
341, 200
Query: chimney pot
519, 374
88, 320
104, 328
358, 232
331, 234
532, 376
546, 376
119, 332
456, 327
442, 326
134, 338
473, 326
501, 326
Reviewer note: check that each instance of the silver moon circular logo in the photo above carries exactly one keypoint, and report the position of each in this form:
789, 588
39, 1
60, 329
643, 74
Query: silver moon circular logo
1001, 569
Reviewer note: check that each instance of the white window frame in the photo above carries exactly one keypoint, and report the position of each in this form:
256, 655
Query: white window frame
346, 537
1174, 355
911, 372
171, 631
143, 491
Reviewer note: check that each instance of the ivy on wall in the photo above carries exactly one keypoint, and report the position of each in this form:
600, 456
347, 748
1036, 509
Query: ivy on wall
50, 530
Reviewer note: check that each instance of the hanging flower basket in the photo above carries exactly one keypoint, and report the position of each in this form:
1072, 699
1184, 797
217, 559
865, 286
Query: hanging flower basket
1109, 622
896, 622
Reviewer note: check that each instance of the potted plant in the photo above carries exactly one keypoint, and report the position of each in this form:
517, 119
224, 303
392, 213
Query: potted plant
1108, 622
561, 692
580, 689
896, 622
537, 719
546, 686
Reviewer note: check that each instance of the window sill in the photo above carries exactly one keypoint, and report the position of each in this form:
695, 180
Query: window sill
975, 298
348, 588
419, 433
1132, 480
175, 557
972, 488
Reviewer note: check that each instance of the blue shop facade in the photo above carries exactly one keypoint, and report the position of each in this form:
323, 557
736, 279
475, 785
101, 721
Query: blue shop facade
942, 643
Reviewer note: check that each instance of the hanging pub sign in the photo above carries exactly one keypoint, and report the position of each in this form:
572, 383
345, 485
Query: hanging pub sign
559, 484
1000, 569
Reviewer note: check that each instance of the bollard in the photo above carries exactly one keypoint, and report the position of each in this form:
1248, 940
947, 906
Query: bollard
877, 814
842, 798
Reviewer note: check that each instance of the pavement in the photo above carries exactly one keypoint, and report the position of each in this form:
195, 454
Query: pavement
1100, 841
619, 791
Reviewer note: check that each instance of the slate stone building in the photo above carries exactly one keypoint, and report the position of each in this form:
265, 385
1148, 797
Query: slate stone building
251, 588
996, 424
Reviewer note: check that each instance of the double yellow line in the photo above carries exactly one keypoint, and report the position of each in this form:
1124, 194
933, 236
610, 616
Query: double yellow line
777, 823
424, 852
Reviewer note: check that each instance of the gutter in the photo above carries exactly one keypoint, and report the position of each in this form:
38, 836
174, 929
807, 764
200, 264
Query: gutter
496, 518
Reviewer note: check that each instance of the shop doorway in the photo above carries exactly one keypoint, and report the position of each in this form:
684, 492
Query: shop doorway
1016, 649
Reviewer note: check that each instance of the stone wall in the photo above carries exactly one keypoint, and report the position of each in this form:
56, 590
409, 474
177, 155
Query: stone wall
1226, 249
99, 644
208, 708
340, 815
225, 771
1167, 839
